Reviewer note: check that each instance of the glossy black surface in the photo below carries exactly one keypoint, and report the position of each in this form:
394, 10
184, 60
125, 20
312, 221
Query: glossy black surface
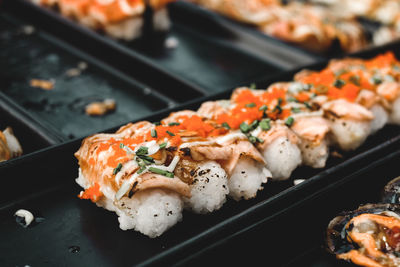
27, 55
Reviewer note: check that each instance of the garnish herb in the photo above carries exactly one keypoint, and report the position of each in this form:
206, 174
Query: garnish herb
226, 125
171, 134
163, 145
142, 151
339, 83
244, 127
250, 105
263, 108
265, 124
153, 133
376, 80
355, 80
253, 86
254, 125
289, 121
296, 110
117, 169
161, 172
174, 124
292, 99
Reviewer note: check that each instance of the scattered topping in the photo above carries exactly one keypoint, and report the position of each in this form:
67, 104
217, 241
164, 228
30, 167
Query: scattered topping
93, 193
161, 172
289, 121
163, 145
265, 124
100, 108
42, 84
24, 217
117, 169
171, 134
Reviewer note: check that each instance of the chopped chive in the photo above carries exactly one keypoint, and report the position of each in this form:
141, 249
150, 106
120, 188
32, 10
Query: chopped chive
171, 134
254, 125
260, 140
141, 169
263, 108
355, 80
121, 145
253, 86
250, 105
163, 145
153, 133
289, 121
277, 108
244, 127
339, 83
280, 100
252, 139
296, 110
147, 160
226, 125
292, 99
143, 150
307, 105
174, 124
376, 80
117, 169
265, 124
157, 123
161, 172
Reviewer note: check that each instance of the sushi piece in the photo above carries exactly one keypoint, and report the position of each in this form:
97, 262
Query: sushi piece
9, 145
367, 236
120, 19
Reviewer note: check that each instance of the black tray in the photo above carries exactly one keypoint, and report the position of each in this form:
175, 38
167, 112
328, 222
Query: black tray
31, 134
73, 222
209, 17
202, 62
38, 55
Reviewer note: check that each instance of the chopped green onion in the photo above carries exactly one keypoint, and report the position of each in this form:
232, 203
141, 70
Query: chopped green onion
147, 160
289, 121
143, 150
117, 169
161, 172
174, 124
250, 105
339, 83
307, 105
376, 80
263, 108
254, 125
171, 134
296, 110
252, 139
141, 169
253, 86
277, 108
153, 133
265, 124
226, 125
163, 145
355, 80
244, 127
292, 99
121, 145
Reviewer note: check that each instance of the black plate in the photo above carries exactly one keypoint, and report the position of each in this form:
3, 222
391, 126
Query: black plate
27, 53
217, 20
73, 222
202, 62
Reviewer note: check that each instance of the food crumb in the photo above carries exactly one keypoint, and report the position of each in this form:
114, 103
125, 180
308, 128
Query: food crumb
336, 154
78, 70
42, 84
171, 43
100, 108
24, 217
298, 181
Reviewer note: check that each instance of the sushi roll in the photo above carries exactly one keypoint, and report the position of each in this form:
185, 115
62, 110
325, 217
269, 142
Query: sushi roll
9, 145
120, 19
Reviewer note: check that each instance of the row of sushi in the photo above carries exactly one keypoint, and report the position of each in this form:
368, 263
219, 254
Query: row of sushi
370, 235
9, 145
121, 19
147, 173
316, 24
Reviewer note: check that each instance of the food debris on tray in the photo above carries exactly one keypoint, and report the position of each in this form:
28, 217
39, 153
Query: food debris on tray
9, 145
316, 25
42, 84
119, 19
100, 108
147, 173
370, 235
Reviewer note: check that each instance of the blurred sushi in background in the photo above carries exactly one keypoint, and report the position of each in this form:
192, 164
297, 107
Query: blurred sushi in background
120, 19
9, 145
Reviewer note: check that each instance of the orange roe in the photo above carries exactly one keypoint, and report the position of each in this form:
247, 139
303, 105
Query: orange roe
93, 193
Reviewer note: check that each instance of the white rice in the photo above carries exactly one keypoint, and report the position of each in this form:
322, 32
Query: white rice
381, 117
314, 155
128, 29
282, 157
246, 179
151, 212
349, 134
395, 114
209, 188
